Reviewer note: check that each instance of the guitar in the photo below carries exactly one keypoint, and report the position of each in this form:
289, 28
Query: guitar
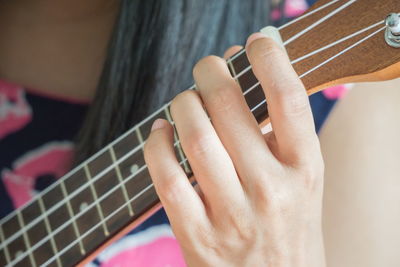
105, 197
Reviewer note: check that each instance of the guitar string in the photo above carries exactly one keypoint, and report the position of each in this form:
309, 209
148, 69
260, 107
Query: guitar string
247, 69
318, 22
288, 24
93, 204
316, 52
329, 60
77, 168
98, 224
307, 30
145, 166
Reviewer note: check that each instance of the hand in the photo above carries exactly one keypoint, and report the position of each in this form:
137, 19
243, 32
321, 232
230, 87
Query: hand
260, 195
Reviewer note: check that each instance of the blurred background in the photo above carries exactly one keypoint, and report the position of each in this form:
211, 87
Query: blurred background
361, 146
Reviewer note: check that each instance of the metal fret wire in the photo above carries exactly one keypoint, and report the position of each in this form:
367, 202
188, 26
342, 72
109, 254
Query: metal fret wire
108, 217
328, 60
67, 223
313, 53
165, 106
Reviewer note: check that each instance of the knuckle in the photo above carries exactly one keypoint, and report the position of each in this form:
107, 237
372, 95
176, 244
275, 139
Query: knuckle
150, 147
199, 144
170, 185
264, 48
222, 98
242, 229
312, 175
293, 102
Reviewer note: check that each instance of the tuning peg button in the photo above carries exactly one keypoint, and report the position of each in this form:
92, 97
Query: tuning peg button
392, 33
393, 22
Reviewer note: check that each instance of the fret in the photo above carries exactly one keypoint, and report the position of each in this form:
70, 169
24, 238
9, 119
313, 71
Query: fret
109, 189
6, 259
45, 250
17, 246
138, 180
71, 214
90, 217
253, 99
240, 63
26, 239
232, 70
37, 232
140, 137
100, 163
57, 220
95, 198
3, 260
126, 144
145, 128
145, 199
59, 215
106, 183
180, 155
64, 238
247, 80
253, 92
48, 228
119, 175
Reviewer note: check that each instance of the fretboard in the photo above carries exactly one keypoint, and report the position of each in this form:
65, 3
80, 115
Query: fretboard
88, 206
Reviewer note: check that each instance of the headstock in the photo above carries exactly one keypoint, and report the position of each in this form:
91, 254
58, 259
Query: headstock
354, 38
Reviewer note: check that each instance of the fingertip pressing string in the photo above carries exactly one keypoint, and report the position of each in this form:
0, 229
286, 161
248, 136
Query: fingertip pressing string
274, 34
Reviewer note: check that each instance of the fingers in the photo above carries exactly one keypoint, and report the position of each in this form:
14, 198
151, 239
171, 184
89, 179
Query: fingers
231, 117
171, 183
211, 164
288, 103
231, 51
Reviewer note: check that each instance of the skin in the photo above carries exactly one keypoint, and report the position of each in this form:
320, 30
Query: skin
260, 195
57, 47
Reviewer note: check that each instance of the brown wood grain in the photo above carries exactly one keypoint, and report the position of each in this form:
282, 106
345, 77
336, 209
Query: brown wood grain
371, 60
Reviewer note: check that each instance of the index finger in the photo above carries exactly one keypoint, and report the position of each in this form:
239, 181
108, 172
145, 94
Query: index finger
288, 103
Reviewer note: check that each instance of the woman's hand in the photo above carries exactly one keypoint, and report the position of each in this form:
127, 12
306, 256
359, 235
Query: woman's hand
260, 195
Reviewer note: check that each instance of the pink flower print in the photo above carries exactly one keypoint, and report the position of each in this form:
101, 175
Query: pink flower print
51, 159
139, 250
294, 8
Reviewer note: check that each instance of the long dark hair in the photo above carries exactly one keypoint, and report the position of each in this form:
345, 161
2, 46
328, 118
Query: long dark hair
150, 57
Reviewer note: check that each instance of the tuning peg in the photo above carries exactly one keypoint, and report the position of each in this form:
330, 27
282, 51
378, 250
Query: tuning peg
393, 22
392, 33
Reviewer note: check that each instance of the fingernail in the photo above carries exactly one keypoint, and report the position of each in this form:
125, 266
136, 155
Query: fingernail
158, 124
267, 32
274, 34
255, 36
